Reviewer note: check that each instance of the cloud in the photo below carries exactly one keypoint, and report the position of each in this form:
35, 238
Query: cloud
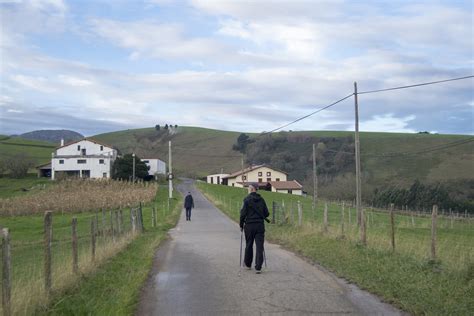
388, 123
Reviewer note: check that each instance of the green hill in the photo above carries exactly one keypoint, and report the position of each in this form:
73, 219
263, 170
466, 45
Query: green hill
39, 151
394, 159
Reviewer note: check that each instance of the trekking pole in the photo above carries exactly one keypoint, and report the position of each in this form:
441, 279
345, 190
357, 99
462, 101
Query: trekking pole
265, 258
240, 260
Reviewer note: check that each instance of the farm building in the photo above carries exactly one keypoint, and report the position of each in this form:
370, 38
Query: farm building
268, 178
155, 165
84, 158
257, 173
216, 178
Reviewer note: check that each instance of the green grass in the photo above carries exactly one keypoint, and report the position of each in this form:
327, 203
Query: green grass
39, 151
30, 184
115, 287
27, 251
406, 278
200, 151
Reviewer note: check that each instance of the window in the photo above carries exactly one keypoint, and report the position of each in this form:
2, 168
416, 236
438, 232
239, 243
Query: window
290, 191
104, 175
146, 161
260, 180
269, 174
244, 177
79, 147
101, 161
260, 174
101, 148
61, 162
83, 151
269, 179
81, 161
277, 179
212, 180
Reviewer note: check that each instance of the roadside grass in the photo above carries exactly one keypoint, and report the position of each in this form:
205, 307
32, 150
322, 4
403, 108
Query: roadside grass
406, 278
26, 233
114, 288
30, 184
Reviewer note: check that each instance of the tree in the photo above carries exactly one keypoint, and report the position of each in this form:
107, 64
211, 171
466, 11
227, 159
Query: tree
18, 165
3, 167
176, 126
123, 168
157, 127
242, 141
166, 126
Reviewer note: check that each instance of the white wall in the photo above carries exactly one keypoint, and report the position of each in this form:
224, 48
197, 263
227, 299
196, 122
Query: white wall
216, 178
91, 149
157, 166
97, 169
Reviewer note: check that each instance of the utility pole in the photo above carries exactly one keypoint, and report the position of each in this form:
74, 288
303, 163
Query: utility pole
360, 215
315, 181
243, 181
133, 172
170, 174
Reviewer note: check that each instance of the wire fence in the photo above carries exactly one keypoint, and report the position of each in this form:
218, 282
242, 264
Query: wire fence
53, 256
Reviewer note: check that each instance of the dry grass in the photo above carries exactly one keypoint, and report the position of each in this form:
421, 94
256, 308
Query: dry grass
79, 196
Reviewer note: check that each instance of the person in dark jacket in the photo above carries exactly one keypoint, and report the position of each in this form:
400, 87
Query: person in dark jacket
254, 211
188, 205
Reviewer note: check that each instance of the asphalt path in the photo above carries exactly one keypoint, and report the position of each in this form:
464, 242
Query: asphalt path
196, 272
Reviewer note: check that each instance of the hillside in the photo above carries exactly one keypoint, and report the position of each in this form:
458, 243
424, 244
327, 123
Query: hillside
39, 151
387, 158
53, 136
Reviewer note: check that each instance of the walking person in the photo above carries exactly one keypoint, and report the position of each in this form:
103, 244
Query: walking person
188, 205
254, 211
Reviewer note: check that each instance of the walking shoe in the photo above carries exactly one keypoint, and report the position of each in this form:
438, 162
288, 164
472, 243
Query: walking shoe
258, 271
248, 268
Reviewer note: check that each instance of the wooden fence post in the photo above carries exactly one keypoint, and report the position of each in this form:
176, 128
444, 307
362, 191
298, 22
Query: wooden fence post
434, 215
342, 220
117, 223
273, 211
7, 272
392, 225
140, 223
75, 265
93, 234
326, 217
133, 220
350, 217
122, 227
112, 230
363, 227
153, 216
48, 239
300, 213
103, 222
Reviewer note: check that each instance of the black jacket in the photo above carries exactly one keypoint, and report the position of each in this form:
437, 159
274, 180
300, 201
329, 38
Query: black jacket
254, 209
188, 201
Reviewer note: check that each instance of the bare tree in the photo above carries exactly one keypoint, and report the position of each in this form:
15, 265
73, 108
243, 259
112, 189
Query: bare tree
18, 165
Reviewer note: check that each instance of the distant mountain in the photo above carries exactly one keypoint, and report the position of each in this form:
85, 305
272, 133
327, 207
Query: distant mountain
53, 136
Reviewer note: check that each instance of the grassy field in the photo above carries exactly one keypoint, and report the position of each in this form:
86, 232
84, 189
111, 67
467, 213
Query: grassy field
115, 287
31, 184
27, 250
202, 151
39, 151
406, 278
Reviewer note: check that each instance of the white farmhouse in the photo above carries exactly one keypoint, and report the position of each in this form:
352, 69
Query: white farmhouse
217, 178
85, 158
155, 166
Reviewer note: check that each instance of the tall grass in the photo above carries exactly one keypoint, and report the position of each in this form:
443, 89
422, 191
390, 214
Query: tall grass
406, 277
79, 196
28, 292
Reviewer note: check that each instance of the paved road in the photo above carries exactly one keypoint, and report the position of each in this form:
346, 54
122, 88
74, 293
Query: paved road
196, 272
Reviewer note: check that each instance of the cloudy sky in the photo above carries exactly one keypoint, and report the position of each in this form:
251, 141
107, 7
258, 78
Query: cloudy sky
102, 65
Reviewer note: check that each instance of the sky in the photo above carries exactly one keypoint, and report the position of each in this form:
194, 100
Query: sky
96, 66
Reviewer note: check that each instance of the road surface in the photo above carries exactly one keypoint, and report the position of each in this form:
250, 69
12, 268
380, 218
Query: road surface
196, 272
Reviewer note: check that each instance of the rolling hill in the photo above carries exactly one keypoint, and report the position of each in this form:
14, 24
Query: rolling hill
39, 151
53, 136
387, 158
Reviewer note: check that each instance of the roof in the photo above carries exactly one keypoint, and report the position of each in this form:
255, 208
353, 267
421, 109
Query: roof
88, 139
251, 168
44, 166
286, 185
260, 184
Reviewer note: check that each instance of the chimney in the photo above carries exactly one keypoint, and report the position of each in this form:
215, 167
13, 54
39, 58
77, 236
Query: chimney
62, 141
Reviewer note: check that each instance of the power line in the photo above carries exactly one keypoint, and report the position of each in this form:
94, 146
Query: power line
415, 85
306, 116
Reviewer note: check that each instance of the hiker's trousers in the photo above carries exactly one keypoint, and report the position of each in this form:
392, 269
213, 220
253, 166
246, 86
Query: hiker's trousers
188, 213
254, 232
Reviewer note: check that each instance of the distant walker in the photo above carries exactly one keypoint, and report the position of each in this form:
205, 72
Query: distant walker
188, 205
